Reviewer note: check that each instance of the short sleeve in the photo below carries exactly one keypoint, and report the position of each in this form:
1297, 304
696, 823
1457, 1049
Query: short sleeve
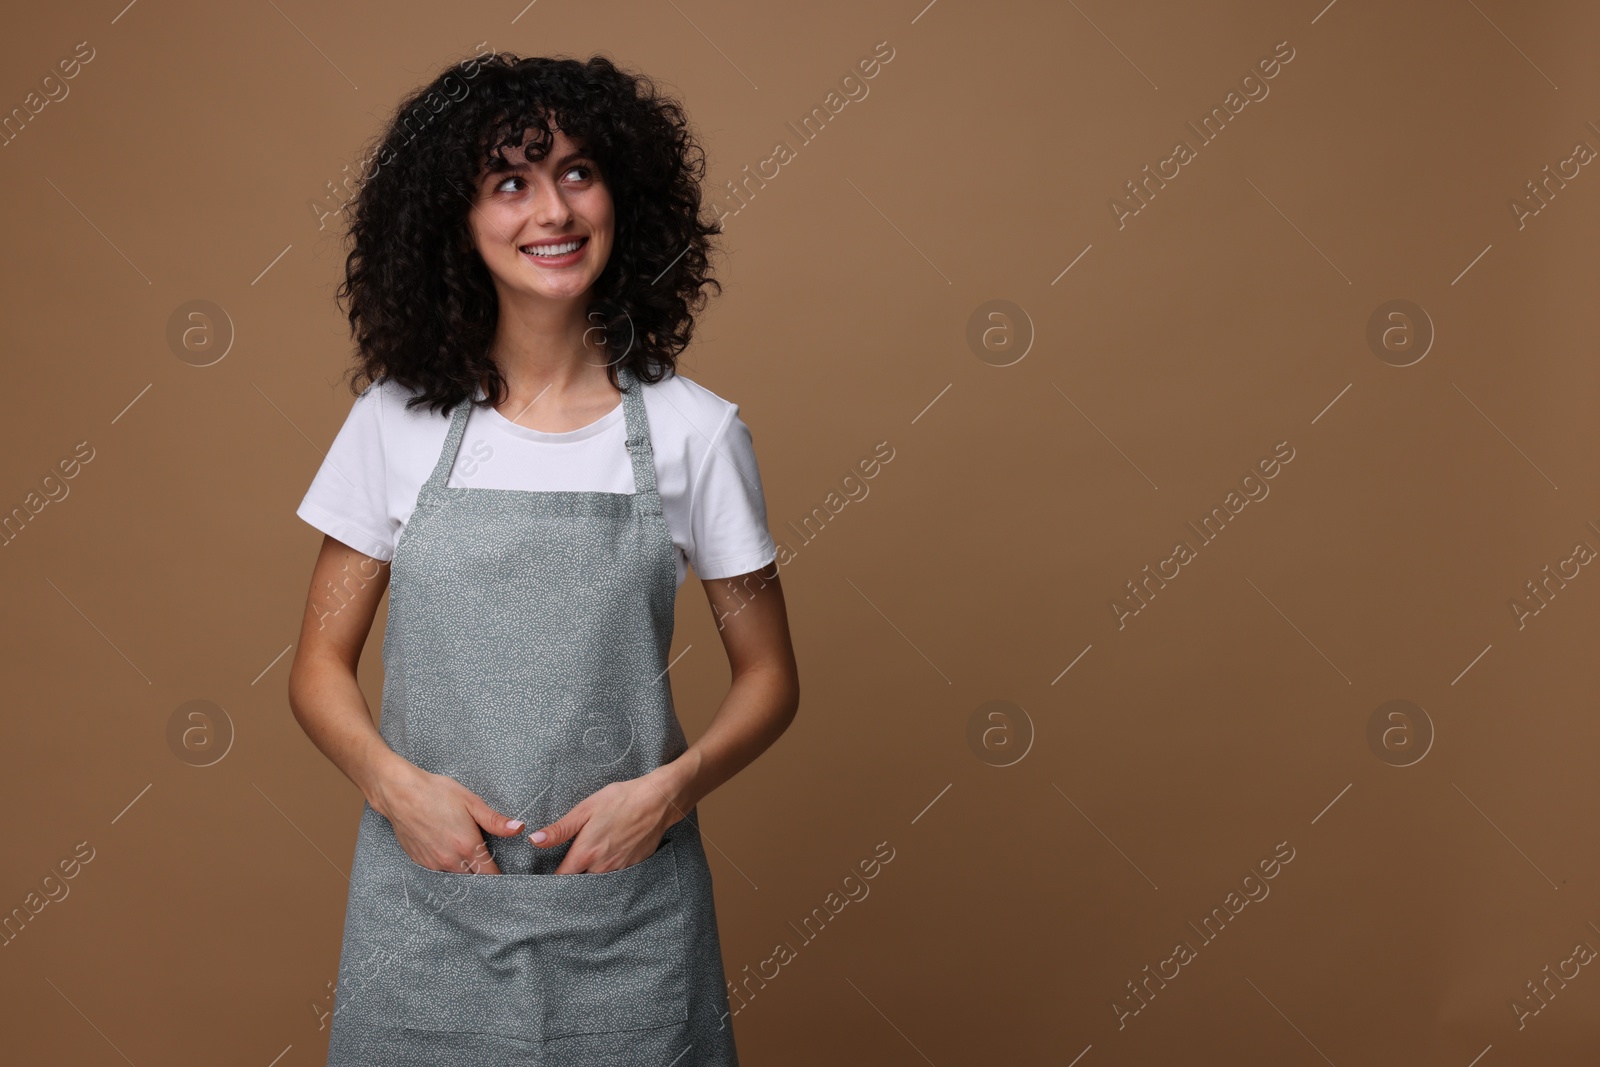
728, 511
348, 498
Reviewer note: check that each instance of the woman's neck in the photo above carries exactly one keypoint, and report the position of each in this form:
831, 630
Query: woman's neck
555, 395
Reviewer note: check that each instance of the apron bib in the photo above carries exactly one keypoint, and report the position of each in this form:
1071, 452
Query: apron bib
525, 656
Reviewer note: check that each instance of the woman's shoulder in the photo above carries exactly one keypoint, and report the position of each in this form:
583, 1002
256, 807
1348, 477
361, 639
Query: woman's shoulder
380, 424
680, 404
387, 403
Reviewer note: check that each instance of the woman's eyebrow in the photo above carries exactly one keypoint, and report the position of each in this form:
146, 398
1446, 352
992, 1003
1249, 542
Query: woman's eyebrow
563, 161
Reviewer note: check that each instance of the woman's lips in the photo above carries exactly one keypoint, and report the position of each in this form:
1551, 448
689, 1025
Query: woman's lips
565, 260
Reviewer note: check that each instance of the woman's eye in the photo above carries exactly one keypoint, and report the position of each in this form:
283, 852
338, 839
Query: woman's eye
512, 183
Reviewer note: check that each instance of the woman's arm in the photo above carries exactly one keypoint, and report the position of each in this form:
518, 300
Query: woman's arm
764, 693
622, 823
436, 819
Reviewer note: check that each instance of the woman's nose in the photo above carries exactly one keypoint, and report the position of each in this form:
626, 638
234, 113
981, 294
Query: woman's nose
550, 207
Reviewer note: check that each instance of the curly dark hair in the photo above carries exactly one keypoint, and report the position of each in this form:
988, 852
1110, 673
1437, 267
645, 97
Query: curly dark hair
422, 304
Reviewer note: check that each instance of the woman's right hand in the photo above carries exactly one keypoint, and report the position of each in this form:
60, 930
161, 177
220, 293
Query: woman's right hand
440, 822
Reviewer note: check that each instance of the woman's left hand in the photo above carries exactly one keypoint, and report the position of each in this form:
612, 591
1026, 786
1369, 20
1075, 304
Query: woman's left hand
616, 826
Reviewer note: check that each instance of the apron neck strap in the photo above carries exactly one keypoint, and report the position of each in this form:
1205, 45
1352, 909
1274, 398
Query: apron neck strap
638, 442
452, 444
638, 439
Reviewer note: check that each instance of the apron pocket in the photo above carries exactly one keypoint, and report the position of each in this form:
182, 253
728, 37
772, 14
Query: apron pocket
611, 952
541, 956
471, 959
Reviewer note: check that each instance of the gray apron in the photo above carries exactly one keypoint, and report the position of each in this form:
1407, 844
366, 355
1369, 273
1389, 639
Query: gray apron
525, 656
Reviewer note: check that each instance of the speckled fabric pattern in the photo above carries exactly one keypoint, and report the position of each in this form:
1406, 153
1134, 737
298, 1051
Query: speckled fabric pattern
525, 656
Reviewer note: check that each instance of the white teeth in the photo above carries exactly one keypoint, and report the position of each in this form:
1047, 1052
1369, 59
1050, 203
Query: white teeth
552, 250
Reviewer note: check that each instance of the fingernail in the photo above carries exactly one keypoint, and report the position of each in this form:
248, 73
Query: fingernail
538, 836
515, 824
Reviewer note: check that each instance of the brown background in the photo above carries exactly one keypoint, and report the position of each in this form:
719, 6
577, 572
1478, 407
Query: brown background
1230, 715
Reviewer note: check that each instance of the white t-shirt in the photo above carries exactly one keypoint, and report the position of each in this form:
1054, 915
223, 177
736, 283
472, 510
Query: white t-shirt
705, 465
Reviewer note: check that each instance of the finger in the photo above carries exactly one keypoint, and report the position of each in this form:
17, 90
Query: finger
576, 861
492, 821
561, 830
571, 864
480, 862
485, 865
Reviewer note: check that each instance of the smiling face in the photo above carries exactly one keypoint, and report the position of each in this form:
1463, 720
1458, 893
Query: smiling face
544, 229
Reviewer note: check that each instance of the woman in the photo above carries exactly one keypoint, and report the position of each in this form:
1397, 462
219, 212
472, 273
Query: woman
529, 883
